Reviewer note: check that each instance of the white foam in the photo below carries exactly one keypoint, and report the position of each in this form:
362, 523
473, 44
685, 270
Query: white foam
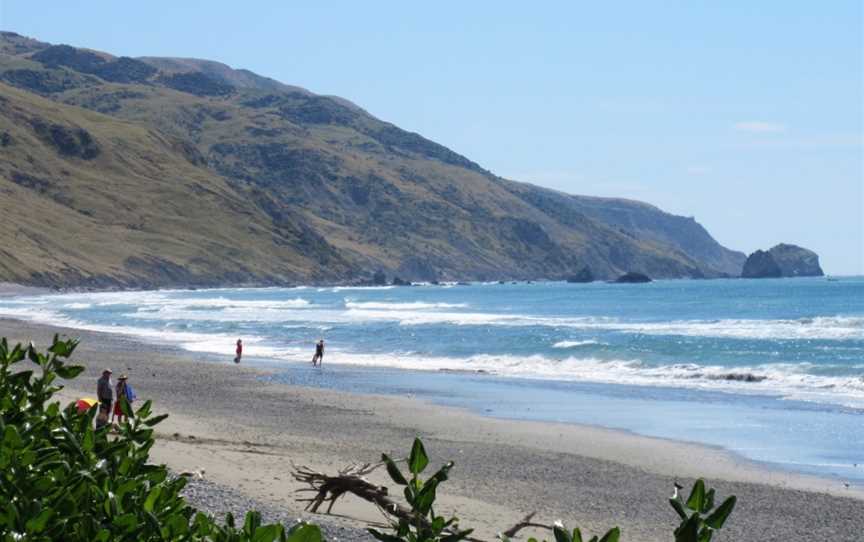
788, 381
574, 344
403, 306
350, 288
819, 328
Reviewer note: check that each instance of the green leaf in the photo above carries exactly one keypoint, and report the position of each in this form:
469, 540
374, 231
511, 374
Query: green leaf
709, 501
393, 470
125, 407
253, 521
38, 523
144, 410
697, 496
154, 420
719, 516
127, 522
69, 371
706, 534
418, 459
34, 355
152, 497
268, 533
11, 438
612, 536
426, 498
676, 504
689, 532
304, 532
59, 347
561, 535
442, 473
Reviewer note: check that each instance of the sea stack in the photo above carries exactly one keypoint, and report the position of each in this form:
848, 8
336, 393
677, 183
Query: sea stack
782, 261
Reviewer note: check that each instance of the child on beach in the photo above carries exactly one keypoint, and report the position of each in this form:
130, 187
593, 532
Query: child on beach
319, 353
239, 351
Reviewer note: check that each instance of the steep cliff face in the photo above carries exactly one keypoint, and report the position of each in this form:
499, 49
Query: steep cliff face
795, 261
639, 220
782, 261
155, 171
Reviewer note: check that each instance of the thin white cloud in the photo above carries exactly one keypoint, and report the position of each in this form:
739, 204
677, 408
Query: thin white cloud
760, 127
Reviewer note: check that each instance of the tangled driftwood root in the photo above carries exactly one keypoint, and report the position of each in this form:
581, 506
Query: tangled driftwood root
352, 480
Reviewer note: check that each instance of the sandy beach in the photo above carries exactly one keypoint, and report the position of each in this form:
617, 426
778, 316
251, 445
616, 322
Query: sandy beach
246, 431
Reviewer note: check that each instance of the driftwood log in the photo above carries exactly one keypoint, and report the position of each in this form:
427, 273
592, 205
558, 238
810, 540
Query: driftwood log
351, 479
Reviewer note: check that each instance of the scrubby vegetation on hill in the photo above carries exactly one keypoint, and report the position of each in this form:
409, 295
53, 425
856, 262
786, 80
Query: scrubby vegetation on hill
210, 175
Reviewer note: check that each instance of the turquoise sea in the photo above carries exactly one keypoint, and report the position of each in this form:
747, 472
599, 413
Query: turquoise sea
770, 369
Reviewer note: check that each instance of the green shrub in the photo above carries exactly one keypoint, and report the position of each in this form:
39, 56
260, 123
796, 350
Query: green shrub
61, 479
422, 525
704, 520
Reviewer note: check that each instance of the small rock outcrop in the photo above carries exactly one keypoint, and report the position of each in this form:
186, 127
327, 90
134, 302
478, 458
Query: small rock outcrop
379, 278
584, 275
761, 265
632, 278
782, 261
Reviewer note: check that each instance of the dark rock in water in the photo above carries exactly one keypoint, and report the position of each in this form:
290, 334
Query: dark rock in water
782, 261
379, 278
584, 275
761, 265
399, 282
632, 278
795, 261
738, 377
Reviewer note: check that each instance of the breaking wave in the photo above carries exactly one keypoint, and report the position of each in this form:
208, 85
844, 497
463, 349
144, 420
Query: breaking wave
407, 306
574, 344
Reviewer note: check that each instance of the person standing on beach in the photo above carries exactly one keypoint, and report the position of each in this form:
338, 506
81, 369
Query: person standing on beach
105, 394
318, 358
123, 390
239, 351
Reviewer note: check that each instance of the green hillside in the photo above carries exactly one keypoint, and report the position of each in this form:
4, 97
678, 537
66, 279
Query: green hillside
162, 171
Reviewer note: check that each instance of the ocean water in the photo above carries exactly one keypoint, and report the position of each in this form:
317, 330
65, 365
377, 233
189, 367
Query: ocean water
770, 369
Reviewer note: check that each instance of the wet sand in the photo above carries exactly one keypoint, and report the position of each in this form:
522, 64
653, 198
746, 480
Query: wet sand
245, 432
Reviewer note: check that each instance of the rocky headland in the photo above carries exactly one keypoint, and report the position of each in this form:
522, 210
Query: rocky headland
783, 260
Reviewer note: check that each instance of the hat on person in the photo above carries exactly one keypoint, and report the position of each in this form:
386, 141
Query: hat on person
123, 377
106, 370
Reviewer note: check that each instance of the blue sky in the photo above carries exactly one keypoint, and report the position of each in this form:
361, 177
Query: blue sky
746, 115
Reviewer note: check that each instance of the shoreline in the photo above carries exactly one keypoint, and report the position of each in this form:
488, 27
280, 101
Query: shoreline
248, 430
8, 289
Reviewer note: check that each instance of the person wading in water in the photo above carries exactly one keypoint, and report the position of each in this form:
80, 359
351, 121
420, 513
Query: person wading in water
319, 353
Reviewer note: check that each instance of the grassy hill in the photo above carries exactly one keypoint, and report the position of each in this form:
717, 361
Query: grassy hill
165, 171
